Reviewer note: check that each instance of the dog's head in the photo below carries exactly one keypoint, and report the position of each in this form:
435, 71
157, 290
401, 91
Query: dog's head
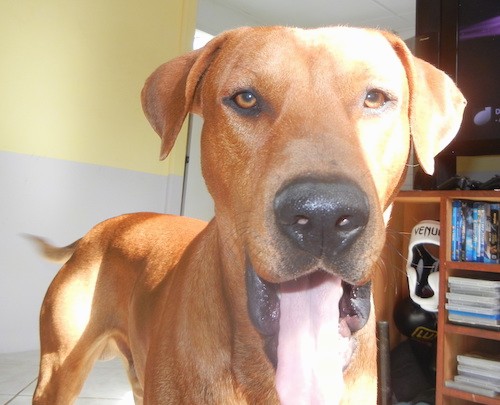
305, 141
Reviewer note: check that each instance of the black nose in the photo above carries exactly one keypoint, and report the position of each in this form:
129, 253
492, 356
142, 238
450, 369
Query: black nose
322, 217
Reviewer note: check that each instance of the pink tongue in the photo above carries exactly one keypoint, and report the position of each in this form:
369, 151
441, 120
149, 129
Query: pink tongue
311, 353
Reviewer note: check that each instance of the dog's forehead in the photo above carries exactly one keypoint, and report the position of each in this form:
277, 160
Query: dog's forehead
341, 49
344, 43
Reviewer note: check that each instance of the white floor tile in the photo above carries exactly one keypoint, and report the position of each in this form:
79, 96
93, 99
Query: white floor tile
17, 370
107, 380
14, 379
21, 400
103, 401
4, 398
107, 383
28, 357
30, 389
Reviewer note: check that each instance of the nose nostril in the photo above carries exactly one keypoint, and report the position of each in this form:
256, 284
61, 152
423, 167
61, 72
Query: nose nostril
301, 220
344, 223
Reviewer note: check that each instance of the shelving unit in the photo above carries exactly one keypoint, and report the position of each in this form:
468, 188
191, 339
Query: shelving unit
411, 207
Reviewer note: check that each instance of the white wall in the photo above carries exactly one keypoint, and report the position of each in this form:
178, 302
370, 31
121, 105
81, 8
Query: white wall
59, 200
197, 202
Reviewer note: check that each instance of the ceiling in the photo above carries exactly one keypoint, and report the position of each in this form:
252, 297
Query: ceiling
394, 15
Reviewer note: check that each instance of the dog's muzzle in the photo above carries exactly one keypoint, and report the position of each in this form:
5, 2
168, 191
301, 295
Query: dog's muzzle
308, 320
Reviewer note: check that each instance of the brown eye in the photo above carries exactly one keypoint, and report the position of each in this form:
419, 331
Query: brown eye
375, 99
245, 100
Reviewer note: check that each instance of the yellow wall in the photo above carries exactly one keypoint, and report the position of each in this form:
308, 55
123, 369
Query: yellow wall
71, 72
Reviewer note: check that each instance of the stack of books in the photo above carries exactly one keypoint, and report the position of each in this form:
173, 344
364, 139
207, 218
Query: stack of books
475, 231
478, 374
474, 301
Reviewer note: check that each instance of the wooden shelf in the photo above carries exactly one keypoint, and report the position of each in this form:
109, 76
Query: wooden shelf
471, 331
436, 196
467, 396
420, 197
410, 208
472, 266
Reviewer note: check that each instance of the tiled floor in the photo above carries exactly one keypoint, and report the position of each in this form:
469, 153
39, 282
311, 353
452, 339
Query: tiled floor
106, 385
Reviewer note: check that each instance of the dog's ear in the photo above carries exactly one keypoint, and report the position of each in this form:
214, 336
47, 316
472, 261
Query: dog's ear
436, 105
170, 93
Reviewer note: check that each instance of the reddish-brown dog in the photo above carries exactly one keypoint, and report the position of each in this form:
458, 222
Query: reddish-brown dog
305, 141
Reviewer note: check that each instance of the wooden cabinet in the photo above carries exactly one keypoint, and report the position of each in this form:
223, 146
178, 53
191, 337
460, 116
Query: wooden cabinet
410, 208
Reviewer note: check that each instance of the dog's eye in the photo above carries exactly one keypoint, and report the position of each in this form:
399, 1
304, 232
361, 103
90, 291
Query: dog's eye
375, 99
245, 100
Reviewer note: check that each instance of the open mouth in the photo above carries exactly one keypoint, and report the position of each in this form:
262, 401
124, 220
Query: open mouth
308, 326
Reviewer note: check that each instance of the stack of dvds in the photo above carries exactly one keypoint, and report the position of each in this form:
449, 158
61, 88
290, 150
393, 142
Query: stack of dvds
478, 374
475, 231
474, 301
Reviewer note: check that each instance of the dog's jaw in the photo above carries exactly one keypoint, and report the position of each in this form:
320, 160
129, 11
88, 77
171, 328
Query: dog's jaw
264, 310
307, 326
